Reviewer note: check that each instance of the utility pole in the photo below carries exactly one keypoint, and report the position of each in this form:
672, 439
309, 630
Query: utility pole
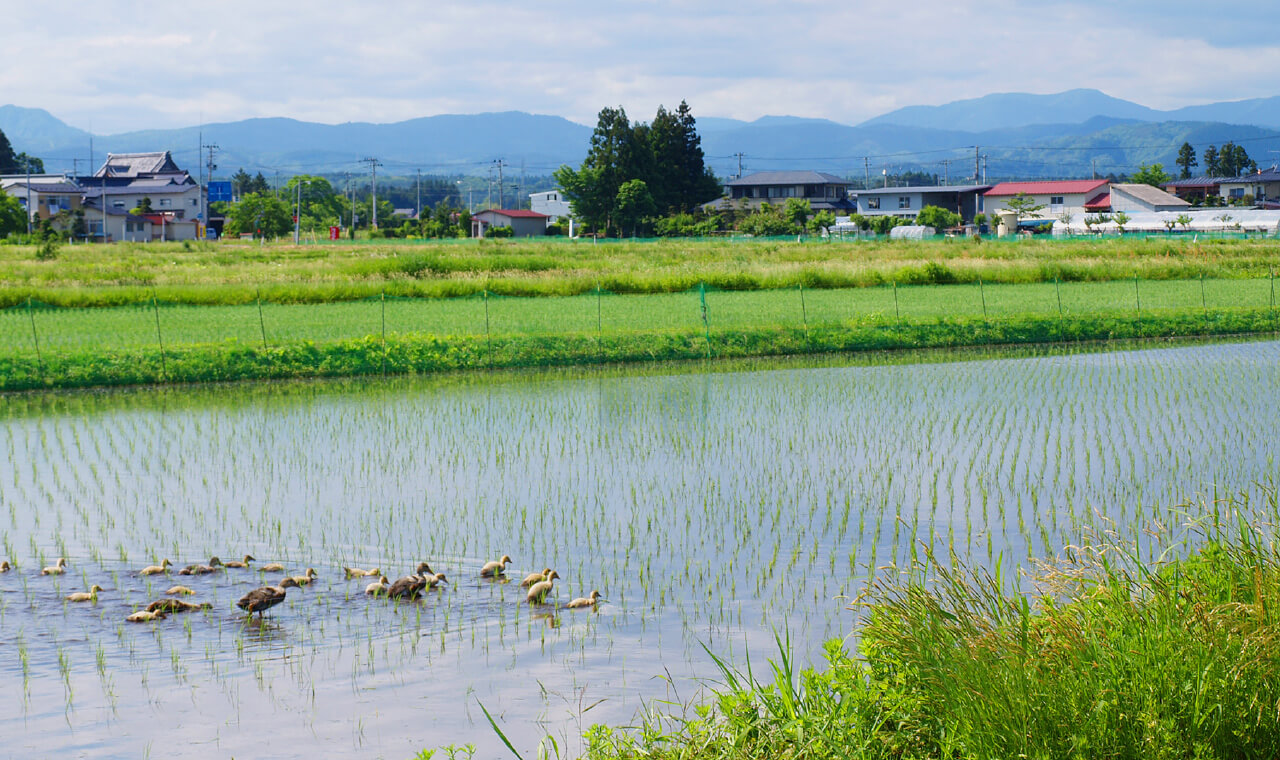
418, 210
27, 163
740, 155
373, 163
866, 168
208, 178
946, 171
500, 163
976, 163
984, 168
297, 216
1093, 166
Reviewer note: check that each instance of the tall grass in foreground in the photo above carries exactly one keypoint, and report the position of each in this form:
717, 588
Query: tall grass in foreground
1108, 657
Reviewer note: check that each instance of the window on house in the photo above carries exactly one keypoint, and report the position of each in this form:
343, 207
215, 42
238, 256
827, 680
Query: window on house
904, 201
1236, 192
1055, 200
166, 202
117, 204
873, 202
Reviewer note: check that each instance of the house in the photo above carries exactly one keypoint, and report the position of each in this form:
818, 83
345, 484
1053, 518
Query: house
126, 179
1131, 198
823, 191
1262, 186
552, 203
906, 202
1075, 197
523, 223
44, 195
1194, 187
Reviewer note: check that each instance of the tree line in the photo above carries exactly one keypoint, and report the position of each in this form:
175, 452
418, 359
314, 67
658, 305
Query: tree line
1231, 160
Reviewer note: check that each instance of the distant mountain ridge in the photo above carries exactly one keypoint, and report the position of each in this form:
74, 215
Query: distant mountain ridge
1068, 134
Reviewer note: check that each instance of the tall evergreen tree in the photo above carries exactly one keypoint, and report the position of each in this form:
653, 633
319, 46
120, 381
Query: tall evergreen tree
698, 184
1211, 166
1186, 160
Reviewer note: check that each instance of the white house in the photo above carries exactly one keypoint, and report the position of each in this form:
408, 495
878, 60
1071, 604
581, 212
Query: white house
1073, 196
1263, 186
906, 202
552, 203
523, 222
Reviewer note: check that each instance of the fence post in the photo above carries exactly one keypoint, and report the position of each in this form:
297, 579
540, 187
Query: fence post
383, 299
804, 312
599, 325
1137, 299
1203, 303
262, 323
982, 292
155, 307
35, 337
1058, 289
488, 341
897, 314
706, 323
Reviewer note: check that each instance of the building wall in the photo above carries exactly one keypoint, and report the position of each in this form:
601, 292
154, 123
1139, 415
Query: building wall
185, 204
891, 204
1259, 190
1072, 203
525, 227
552, 203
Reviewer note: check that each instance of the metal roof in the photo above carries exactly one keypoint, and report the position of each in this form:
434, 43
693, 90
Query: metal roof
1047, 187
788, 178
1267, 175
518, 213
1098, 202
133, 164
47, 187
1196, 182
924, 189
1152, 195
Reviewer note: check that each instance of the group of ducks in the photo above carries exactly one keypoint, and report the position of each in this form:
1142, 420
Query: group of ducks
259, 600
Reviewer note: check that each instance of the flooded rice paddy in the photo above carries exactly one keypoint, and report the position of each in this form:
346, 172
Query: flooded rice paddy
710, 508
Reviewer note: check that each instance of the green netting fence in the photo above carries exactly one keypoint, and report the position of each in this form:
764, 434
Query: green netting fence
148, 339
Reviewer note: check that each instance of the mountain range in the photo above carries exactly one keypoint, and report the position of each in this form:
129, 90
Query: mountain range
1069, 134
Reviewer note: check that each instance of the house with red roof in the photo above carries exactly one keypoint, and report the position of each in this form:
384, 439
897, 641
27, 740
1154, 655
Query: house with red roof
523, 222
1069, 196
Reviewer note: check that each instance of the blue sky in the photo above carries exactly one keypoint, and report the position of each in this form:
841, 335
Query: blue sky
121, 65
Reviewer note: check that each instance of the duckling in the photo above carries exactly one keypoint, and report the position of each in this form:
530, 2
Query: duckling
57, 569
143, 616
85, 596
262, 599
591, 601
214, 564
355, 572
539, 591
533, 578
494, 569
435, 580
155, 569
379, 588
271, 567
179, 591
170, 606
306, 578
241, 564
407, 587
5, 566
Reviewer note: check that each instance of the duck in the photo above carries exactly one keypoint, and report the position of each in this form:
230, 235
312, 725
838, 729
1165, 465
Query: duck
271, 567
214, 564
306, 578
538, 592
170, 606
262, 599
163, 567
407, 587
57, 569
179, 591
436, 580
355, 572
144, 616
494, 569
378, 588
533, 578
241, 564
85, 596
5, 566
584, 601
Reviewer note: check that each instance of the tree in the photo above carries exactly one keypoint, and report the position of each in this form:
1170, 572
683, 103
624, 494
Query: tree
1211, 166
257, 185
262, 215
938, 218
634, 204
822, 221
8, 161
13, 218
1186, 160
1121, 219
240, 182
1153, 175
1233, 160
797, 211
1024, 206
1185, 221
593, 189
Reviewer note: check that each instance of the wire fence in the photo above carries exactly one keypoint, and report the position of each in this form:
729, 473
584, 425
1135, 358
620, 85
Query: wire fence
37, 331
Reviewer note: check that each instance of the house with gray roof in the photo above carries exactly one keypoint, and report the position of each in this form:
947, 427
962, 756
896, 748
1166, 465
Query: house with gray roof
138, 164
1263, 186
906, 202
823, 191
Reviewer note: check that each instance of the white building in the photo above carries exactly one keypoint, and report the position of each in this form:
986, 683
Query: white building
552, 203
1136, 198
1263, 186
1075, 197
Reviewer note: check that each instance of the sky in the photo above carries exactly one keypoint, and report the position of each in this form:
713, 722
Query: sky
118, 65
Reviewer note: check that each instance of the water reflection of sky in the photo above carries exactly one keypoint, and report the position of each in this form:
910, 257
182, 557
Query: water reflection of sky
709, 508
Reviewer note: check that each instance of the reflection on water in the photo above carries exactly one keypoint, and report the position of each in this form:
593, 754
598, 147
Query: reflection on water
709, 508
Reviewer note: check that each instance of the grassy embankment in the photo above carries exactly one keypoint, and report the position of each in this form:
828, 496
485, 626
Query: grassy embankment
287, 333
1109, 658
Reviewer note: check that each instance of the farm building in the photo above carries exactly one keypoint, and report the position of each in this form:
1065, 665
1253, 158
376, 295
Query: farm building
1136, 198
523, 223
1197, 221
1076, 197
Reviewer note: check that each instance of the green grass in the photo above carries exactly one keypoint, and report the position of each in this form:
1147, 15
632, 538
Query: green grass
236, 273
1108, 657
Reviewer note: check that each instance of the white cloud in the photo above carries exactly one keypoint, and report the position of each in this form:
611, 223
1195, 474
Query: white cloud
133, 68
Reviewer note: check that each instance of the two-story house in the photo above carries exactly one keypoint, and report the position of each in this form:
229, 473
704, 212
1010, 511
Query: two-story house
823, 191
906, 202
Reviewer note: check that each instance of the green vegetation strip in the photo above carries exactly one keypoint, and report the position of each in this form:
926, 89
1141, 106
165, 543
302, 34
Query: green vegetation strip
1111, 658
104, 364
